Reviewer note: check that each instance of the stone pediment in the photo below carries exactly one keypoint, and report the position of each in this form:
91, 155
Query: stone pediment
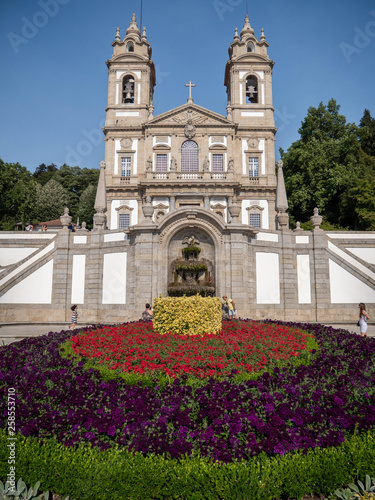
192, 114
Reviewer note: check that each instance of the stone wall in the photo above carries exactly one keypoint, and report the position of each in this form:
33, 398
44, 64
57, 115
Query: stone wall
288, 275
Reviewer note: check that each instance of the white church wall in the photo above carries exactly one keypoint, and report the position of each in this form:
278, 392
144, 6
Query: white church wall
78, 279
264, 214
9, 256
262, 157
366, 254
350, 260
346, 288
114, 278
34, 289
267, 278
303, 279
28, 263
133, 216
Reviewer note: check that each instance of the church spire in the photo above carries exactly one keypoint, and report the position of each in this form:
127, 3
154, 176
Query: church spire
247, 29
133, 28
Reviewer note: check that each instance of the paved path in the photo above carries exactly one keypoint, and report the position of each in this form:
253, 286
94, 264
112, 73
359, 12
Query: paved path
16, 332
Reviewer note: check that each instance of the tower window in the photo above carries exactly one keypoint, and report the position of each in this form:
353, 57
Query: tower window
252, 89
161, 163
123, 221
253, 166
255, 220
217, 163
126, 166
189, 157
130, 47
250, 47
128, 90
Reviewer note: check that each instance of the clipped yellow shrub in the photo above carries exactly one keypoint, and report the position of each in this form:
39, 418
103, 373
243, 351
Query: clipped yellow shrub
194, 315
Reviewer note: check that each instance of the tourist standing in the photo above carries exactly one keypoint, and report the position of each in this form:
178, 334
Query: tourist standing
231, 307
74, 317
363, 317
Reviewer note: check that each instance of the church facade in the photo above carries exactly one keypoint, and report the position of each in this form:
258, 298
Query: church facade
188, 201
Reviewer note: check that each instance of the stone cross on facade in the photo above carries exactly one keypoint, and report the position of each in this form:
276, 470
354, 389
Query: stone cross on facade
190, 85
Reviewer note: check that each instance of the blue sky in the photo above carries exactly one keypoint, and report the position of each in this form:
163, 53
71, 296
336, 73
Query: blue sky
54, 77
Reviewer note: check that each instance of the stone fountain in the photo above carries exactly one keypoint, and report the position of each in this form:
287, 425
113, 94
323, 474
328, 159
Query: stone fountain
191, 273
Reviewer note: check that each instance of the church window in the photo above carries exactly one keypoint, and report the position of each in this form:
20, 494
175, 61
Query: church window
252, 89
128, 90
161, 163
126, 166
123, 221
130, 47
255, 220
217, 163
250, 47
253, 166
189, 157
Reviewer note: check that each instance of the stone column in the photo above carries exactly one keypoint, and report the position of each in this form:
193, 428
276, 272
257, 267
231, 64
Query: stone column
172, 203
206, 202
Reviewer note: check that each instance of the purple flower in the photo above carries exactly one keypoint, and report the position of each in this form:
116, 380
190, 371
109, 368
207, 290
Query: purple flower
111, 430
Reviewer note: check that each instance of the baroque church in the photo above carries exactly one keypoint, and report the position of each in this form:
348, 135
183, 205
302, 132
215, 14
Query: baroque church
188, 201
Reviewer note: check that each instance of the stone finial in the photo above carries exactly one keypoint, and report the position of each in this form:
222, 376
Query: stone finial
262, 37
281, 198
316, 220
236, 37
83, 229
133, 28
247, 29
298, 228
66, 219
148, 211
100, 206
144, 36
117, 37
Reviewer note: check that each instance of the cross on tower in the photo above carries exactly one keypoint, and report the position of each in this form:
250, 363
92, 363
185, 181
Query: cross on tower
190, 85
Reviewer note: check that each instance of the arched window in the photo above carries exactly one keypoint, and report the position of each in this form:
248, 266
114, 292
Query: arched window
128, 90
130, 47
252, 89
189, 157
250, 47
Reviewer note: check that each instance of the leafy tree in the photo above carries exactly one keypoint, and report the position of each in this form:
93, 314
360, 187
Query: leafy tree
44, 173
86, 208
75, 180
51, 199
17, 195
322, 165
368, 141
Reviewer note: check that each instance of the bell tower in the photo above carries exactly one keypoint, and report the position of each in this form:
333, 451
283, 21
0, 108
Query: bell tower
131, 79
248, 78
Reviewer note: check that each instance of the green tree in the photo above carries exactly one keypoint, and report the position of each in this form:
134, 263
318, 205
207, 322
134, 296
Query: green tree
322, 165
75, 180
17, 195
51, 199
86, 208
368, 141
44, 173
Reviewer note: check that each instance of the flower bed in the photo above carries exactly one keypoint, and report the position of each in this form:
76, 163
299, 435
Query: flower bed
295, 408
245, 347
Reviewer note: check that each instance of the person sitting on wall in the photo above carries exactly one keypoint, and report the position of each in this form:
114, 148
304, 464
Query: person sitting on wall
147, 313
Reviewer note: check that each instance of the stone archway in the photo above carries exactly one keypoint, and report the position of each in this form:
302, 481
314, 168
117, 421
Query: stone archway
191, 263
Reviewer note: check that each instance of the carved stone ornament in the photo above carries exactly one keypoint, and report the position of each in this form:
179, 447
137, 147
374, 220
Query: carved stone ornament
189, 131
253, 143
126, 143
